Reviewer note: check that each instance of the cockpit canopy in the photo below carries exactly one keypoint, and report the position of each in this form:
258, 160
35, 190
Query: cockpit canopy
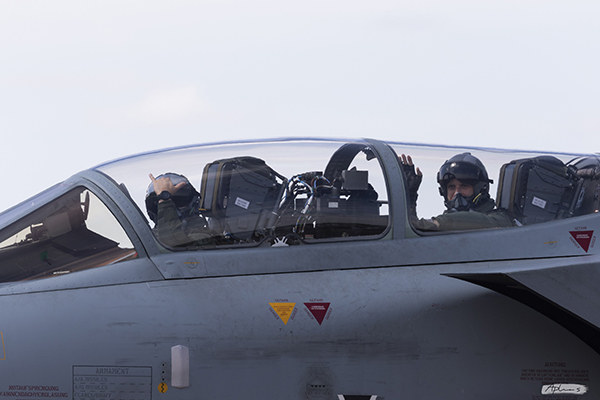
270, 193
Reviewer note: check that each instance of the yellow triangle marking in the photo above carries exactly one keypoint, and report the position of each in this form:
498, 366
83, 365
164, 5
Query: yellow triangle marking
284, 310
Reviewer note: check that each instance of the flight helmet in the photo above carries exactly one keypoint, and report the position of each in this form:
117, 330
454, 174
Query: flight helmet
467, 169
186, 199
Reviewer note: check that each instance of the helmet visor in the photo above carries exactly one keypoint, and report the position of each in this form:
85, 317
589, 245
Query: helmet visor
460, 170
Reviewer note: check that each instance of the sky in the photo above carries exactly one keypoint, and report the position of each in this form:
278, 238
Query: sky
86, 82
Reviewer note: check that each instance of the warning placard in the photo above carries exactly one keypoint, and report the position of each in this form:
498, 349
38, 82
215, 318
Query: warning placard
318, 310
583, 238
283, 310
112, 382
23, 392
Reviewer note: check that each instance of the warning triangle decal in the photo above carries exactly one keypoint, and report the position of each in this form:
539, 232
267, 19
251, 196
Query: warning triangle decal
318, 310
284, 310
583, 238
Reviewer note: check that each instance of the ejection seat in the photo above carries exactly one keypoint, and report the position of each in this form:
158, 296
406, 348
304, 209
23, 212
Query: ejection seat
539, 189
241, 196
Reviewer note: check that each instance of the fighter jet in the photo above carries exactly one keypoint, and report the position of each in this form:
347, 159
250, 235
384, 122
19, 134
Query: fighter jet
298, 269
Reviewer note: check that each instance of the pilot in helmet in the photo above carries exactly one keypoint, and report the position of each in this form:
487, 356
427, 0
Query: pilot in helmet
174, 187
172, 203
464, 185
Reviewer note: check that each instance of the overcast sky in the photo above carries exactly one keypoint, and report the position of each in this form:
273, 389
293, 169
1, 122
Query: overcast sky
88, 81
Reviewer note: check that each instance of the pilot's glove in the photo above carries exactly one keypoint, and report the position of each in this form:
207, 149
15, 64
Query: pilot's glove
413, 180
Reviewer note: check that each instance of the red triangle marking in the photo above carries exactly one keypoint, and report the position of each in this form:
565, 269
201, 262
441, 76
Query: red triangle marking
318, 310
584, 238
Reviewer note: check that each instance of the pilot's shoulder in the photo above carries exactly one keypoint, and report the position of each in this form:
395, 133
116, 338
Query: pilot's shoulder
463, 220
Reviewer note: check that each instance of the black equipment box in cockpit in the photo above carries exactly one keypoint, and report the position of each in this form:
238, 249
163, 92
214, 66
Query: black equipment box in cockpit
538, 189
354, 197
348, 210
240, 195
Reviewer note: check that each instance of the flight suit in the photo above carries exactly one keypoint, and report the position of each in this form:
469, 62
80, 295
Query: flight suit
174, 232
481, 216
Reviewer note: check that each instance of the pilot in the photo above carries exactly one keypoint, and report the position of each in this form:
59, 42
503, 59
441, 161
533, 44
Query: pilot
172, 204
464, 185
